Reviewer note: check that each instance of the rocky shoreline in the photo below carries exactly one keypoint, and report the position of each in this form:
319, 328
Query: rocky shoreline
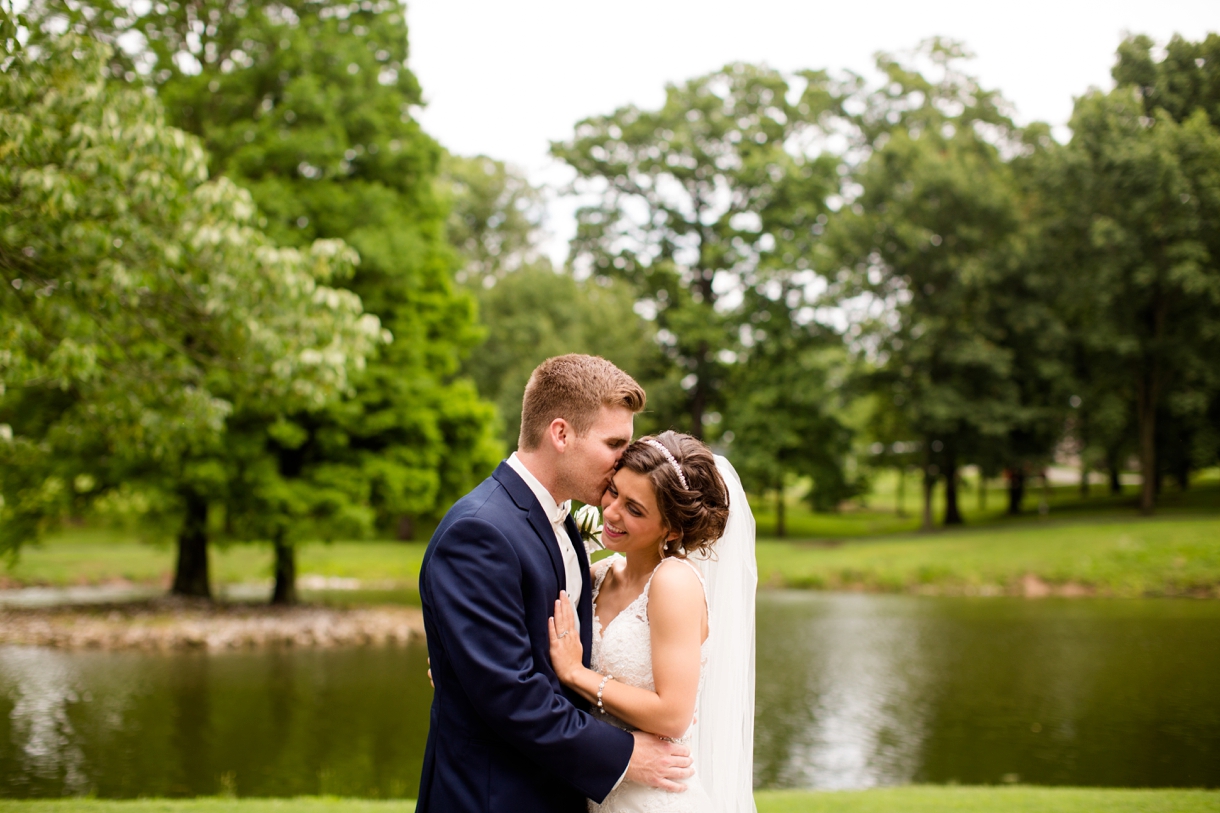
175, 625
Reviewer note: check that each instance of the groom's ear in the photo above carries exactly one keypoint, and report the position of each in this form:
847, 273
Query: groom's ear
560, 434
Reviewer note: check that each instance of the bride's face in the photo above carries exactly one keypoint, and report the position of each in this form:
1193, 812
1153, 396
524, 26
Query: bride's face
631, 520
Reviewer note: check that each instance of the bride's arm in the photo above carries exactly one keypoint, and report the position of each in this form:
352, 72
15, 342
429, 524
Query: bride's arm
676, 612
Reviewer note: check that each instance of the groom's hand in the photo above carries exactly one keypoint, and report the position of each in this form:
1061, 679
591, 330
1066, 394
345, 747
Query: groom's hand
659, 764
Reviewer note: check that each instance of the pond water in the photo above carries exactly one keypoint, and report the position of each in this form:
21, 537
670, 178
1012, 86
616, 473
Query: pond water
853, 691
856, 691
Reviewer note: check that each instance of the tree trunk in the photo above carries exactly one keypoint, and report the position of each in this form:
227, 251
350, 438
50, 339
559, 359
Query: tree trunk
1183, 475
405, 532
929, 484
701, 287
1084, 479
902, 483
699, 393
982, 491
1116, 483
952, 515
1016, 491
780, 526
285, 572
191, 572
1147, 403
1148, 398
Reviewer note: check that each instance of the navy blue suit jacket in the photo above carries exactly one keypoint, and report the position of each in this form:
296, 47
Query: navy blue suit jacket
504, 734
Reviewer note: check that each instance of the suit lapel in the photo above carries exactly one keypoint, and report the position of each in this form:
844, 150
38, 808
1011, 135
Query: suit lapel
584, 610
541, 523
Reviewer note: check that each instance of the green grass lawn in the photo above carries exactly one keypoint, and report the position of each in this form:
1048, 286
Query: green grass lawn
926, 799
917, 799
1100, 543
94, 556
1132, 557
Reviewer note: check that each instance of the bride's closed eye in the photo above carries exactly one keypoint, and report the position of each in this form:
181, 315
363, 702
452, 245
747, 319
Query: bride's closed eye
632, 508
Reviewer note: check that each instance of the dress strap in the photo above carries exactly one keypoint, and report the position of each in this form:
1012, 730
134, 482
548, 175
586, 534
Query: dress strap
600, 569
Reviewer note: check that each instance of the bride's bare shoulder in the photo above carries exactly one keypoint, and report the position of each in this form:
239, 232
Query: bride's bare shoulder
678, 578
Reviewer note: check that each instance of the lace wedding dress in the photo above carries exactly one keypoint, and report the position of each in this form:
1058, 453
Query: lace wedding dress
624, 649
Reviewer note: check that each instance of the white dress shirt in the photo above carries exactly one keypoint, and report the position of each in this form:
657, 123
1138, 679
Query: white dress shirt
557, 514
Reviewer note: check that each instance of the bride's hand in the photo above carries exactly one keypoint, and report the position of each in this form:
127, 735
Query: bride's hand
566, 650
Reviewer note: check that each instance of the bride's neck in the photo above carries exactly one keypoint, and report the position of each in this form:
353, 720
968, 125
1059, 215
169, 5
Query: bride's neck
639, 567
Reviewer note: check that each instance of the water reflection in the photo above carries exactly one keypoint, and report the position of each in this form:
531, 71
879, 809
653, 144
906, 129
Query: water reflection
857, 718
44, 686
347, 722
860, 691
853, 691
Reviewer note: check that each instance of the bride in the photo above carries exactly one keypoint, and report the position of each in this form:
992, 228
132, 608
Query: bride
673, 625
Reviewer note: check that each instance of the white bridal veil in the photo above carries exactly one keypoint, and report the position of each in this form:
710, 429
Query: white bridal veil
724, 748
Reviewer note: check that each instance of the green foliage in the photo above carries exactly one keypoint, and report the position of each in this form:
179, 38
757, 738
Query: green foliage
1134, 200
535, 313
786, 416
531, 311
715, 194
309, 106
494, 217
964, 337
1186, 79
141, 306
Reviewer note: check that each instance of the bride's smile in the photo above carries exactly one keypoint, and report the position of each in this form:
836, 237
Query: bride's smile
631, 520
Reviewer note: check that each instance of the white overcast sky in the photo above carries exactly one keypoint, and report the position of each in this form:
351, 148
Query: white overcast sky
505, 78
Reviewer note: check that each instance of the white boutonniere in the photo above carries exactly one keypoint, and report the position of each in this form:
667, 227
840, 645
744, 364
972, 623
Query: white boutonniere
589, 521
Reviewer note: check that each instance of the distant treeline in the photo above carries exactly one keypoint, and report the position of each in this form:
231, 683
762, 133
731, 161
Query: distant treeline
247, 298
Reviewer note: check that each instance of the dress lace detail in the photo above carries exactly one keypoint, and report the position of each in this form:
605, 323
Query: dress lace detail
624, 649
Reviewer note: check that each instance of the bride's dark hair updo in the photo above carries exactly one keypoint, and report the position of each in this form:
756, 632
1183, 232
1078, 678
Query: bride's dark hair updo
699, 511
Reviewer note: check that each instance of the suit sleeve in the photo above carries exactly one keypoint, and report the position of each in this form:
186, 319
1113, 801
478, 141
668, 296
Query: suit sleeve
473, 581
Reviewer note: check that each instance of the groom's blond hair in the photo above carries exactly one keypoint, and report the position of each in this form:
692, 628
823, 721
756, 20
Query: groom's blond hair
574, 387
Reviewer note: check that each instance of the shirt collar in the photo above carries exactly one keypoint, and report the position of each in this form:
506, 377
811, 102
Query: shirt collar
556, 513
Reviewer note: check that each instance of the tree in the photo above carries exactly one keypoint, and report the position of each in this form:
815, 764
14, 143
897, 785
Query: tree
1183, 82
308, 104
531, 311
141, 306
1140, 181
1184, 85
495, 218
928, 240
700, 201
784, 422
535, 313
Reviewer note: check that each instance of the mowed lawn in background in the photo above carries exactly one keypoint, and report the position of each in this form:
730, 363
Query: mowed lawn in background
98, 556
1131, 558
917, 799
1100, 544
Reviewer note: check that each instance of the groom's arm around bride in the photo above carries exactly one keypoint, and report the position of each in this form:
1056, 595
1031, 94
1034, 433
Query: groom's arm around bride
504, 734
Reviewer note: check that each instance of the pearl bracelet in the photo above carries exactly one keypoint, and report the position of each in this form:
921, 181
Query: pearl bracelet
601, 688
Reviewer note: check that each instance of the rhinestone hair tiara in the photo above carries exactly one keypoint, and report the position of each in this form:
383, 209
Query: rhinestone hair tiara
669, 456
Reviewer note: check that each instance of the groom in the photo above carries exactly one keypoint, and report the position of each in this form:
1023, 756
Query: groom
504, 734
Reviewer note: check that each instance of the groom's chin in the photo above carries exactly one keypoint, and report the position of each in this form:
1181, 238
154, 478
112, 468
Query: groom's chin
593, 494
